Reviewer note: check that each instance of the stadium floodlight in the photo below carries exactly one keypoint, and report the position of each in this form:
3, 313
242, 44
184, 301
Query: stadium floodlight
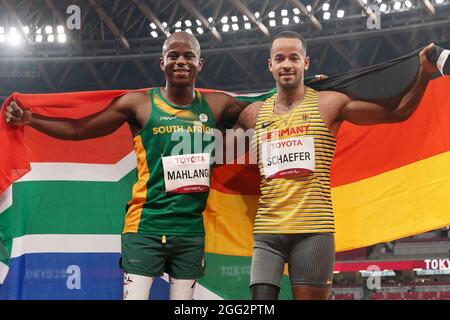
272, 23
154, 34
439, 1
2, 38
51, 38
234, 19
60, 29
272, 14
62, 38
327, 15
365, 1
245, 17
198, 22
247, 26
200, 30
340, 13
178, 24
285, 21
379, 1
257, 14
164, 24
188, 23
383, 7
226, 28
188, 30
397, 5
408, 4
210, 19
326, 6
296, 19
38, 31
14, 38
2, 30
39, 38
26, 30
153, 26
235, 26
48, 29
284, 13
224, 19
309, 8
296, 11
177, 30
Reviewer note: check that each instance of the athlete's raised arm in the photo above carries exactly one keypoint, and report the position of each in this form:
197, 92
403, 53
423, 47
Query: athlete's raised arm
337, 107
99, 124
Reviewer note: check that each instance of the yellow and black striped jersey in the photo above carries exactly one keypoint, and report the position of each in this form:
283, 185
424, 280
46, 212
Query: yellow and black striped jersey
296, 203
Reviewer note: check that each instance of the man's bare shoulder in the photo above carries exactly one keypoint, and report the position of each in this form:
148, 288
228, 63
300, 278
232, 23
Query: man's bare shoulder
254, 106
215, 94
131, 100
249, 115
215, 98
136, 96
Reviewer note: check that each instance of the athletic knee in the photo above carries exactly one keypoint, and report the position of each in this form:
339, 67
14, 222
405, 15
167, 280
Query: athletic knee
311, 293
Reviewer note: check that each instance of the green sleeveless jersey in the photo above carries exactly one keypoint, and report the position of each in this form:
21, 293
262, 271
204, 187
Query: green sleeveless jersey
173, 167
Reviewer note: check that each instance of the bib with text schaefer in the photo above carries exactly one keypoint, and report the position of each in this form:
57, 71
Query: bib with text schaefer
288, 157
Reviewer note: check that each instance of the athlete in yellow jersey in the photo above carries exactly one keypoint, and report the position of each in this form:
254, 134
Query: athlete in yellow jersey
294, 138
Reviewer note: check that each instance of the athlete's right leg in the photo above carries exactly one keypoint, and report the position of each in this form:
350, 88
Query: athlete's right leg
136, 287
267, 267
143, 258
264, 292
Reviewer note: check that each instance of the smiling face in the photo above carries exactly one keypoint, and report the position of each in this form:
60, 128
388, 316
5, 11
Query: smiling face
181, 60
288, 62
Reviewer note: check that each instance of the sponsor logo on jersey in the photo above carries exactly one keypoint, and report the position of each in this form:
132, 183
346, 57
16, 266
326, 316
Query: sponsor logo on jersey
203, 117
167, 118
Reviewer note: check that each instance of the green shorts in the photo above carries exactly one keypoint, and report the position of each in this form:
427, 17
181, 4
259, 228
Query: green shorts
182, 257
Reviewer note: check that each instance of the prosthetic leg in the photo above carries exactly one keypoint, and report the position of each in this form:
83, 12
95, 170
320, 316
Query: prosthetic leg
181, 289
136, 287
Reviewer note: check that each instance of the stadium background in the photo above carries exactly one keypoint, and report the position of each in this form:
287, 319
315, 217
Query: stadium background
118, 47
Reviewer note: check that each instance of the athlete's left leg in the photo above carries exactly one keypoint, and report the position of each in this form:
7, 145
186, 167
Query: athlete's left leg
182, 289
311, 293
311, 262
185, 265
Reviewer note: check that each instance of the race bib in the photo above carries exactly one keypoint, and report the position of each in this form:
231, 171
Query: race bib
187, 173
288, 157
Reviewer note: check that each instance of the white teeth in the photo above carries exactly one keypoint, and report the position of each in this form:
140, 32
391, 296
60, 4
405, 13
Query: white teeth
442, 59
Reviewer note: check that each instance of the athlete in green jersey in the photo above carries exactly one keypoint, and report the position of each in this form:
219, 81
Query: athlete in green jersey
169, 197
172, 129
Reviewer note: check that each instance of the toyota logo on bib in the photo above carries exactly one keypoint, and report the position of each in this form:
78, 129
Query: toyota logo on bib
203, 117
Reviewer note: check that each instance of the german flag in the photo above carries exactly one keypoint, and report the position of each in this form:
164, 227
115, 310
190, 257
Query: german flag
62, 200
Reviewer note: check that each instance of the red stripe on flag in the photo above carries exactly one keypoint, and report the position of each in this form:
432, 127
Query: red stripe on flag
236, 179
